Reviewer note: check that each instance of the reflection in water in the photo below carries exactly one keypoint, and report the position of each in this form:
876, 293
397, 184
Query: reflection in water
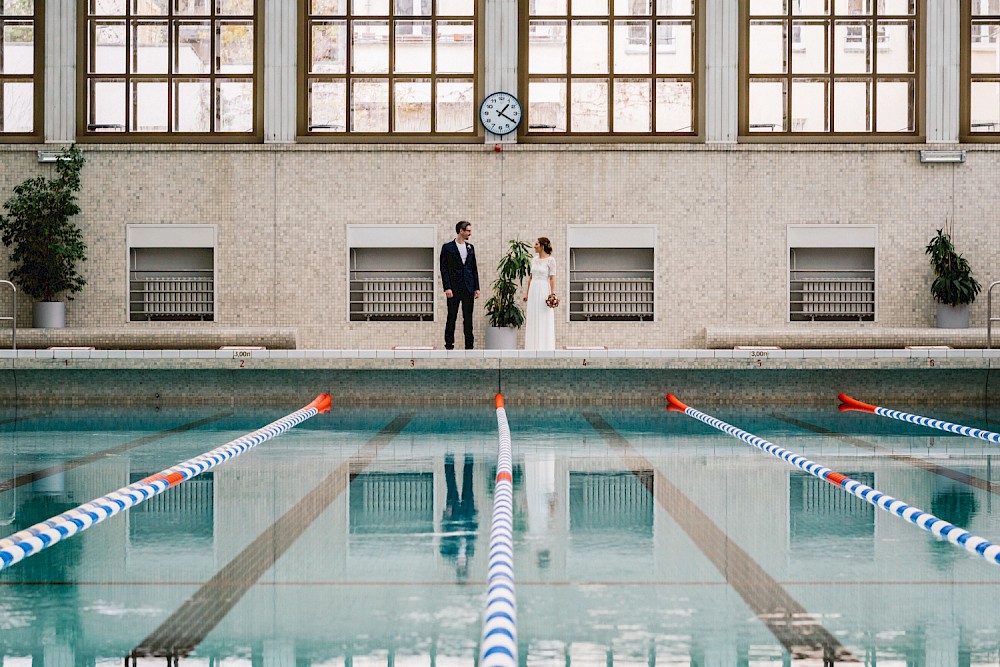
459, 523
956, 505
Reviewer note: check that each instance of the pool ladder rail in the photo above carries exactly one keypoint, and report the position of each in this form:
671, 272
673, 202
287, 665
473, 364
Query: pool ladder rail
989, 315
13, 313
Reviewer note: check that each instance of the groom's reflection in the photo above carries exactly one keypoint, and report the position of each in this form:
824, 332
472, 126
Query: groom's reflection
459, 523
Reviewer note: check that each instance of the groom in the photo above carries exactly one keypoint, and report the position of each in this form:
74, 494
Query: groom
461, 283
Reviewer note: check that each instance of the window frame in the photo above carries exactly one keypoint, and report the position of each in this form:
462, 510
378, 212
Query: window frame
965, 133
697, 135
919, 134
37, 77
302, 76
83, 135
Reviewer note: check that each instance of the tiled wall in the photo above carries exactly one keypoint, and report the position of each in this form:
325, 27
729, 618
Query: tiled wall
721, 212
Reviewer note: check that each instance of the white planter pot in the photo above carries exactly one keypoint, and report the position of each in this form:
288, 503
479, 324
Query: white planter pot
501, 338
48, 315
952, 317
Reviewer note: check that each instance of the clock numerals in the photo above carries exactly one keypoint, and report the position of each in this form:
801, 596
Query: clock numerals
500, 113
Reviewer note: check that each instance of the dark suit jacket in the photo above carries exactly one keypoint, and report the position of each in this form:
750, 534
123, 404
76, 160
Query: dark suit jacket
454, 273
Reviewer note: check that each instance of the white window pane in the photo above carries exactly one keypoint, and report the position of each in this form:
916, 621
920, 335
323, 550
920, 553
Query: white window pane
107, 41
852, 53
590, 47
589, 105
984, 107
107, 105
809, 47
328, 7
150, 7
633, 7
18, 107
193, 7
328, 47
674, 106
455, 106
767, 7
547, 105
895, 47
547, 47
370, 105
897, 7
148, 106
19, 7
632, 105
985, 52
633, 40
810, 106
675, 7
107, 7
413, 47
234, 106
18, 44
456, 47
370, 47
370, 7
327, 106
590, 7
674, 47
411, 7
895, 106
852, 7
811, 7
412, 106
767, 106
455, 7
767, 47
192, 105
149, 47
193, 48
234, 7
852, 106
234, 47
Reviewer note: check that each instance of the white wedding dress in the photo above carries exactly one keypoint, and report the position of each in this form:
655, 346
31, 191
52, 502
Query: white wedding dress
540, 320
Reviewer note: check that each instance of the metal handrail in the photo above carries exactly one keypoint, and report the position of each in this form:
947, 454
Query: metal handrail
13, 314
989, 315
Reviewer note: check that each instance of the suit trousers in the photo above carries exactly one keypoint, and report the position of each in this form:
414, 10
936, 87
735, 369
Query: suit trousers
464, 298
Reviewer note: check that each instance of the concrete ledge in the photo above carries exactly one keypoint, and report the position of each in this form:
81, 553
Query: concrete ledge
807, 336
143, 337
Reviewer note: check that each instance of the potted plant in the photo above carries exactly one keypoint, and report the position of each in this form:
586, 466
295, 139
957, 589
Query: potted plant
45, 243
502, 310
953, 288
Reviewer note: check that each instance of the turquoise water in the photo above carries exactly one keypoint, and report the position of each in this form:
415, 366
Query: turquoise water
359, 538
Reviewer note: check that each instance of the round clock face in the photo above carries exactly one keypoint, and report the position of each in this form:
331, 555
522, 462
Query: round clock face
500, 113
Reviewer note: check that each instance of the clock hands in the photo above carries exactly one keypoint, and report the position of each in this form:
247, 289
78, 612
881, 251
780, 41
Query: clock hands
501, 113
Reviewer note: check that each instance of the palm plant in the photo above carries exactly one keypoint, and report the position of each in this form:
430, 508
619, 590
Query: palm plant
514, 266
953, 282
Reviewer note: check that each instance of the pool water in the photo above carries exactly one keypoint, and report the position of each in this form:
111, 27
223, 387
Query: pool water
359, 538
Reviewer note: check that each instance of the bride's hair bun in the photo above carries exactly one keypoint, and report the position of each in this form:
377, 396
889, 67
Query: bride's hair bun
546, 245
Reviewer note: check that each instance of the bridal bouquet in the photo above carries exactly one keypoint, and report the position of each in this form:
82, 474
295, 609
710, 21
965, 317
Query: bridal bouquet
552, 301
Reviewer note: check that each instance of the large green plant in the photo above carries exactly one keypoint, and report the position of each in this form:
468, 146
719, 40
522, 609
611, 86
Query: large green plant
953, 282
514, 267
45, 244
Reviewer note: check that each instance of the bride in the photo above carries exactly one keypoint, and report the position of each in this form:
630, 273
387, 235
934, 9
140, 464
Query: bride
540, 326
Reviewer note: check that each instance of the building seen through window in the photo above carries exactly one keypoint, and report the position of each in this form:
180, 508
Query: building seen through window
831, 67
390, 67
170, 66
983, 58
18, 64
611, 67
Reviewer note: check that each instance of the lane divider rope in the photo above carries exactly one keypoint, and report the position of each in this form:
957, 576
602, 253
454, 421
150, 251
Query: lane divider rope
30, 541
932, 524
498, 647
848, 404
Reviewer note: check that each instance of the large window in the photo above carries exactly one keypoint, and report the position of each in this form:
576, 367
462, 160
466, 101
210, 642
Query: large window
981, 39
611, 67
389, 67
20, 60
161, 67
830, 67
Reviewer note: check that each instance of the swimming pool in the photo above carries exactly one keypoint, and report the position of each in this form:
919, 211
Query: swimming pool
358, 538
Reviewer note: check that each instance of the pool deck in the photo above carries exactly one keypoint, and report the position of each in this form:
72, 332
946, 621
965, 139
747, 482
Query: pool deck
404, 359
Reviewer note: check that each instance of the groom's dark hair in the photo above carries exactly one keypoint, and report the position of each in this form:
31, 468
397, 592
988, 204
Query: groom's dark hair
462, 224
